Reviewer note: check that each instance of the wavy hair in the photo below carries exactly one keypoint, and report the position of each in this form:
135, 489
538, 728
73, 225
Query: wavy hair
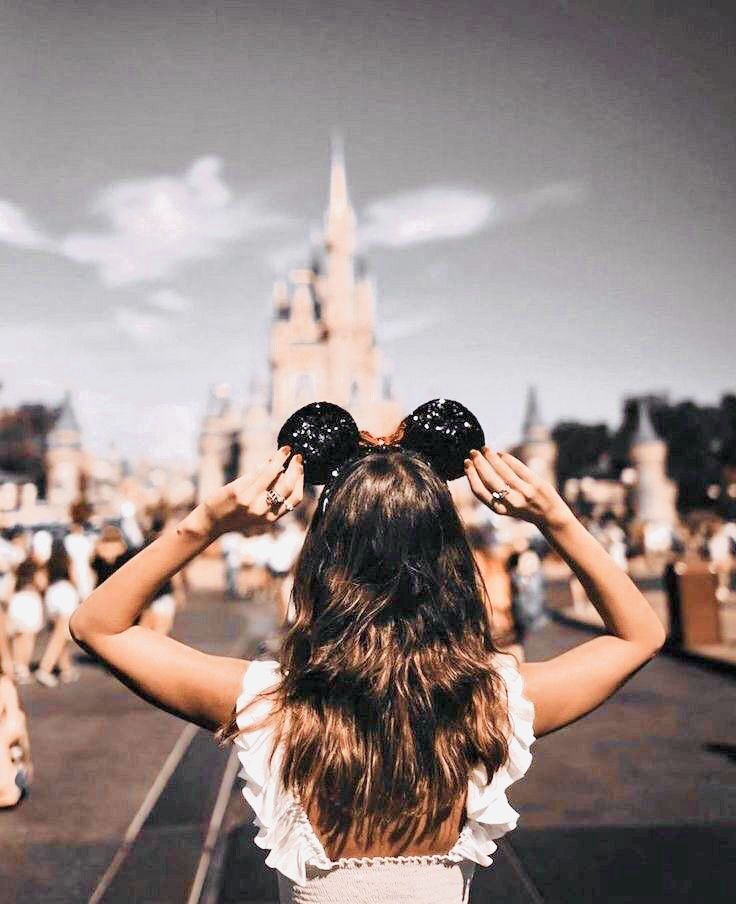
389, 695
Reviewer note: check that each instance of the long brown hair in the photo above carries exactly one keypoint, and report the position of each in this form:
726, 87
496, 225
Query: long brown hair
389, 694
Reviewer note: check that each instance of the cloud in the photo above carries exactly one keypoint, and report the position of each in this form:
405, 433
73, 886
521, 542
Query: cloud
142, 327
169, 300
426, 215
289, 254
411, 325
16, 228
153, 227
545, 197
438, 213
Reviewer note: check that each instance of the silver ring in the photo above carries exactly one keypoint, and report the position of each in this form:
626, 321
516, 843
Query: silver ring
288, 506
500, 495
274, 499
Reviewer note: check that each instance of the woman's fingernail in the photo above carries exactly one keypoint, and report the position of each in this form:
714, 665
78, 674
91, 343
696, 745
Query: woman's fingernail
467, 462
285, 450
300, 458
474, 453
485, 449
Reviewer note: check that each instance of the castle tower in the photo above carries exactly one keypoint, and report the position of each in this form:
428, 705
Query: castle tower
64, 459
655, 493
215, 442
338, 311
257, 436
537, 449
322, 346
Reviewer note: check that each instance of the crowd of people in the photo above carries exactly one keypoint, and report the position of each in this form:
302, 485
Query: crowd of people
44, 575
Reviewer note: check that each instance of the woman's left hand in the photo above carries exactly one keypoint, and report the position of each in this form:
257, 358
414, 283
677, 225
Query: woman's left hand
244, 506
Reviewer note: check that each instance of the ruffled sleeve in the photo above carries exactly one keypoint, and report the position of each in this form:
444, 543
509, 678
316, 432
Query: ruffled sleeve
489, 814
282, 825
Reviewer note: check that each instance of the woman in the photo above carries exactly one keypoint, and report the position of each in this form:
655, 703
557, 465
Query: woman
16, 770
25, 617
377, 754
160, 612
61, 599
111, 551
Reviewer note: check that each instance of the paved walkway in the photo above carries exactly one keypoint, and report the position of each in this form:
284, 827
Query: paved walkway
98, 750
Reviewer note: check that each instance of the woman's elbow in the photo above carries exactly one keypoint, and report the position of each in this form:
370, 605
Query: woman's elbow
76, 627
655, 643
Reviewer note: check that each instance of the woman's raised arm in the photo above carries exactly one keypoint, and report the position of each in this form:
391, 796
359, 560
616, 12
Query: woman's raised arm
171, 675
572, 684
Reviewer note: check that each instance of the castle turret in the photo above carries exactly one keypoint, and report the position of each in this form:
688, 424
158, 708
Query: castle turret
655, 493
64, 459
537, 448
257, 435
215, 441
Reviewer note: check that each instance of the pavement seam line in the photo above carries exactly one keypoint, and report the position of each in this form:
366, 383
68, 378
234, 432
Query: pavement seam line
155, 791
144, 811
214, 828
526, 880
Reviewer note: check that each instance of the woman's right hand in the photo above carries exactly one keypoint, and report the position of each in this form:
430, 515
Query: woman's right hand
242, 505
527, 496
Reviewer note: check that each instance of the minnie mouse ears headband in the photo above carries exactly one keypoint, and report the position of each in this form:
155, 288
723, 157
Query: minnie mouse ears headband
326, 436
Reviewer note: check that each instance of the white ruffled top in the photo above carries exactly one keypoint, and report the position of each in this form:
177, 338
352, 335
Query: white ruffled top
283, 824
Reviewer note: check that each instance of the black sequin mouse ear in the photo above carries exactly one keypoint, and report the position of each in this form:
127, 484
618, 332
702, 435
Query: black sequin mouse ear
325, 435
444, 432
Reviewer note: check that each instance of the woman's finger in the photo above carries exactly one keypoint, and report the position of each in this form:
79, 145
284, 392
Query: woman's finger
481, 490
266, 475
509, 476
285, 482
294, 495
518, 466
476, 484
488, 472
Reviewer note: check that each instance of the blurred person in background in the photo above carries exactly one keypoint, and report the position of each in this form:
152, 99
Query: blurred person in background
254, 552
25, 617
159, 614
41, 547
718, 545
16, 769
130, 526
232, 557
61, 598
613, 540
527, 582
9, 560
111, 551
287, 539
80, 548
490, 560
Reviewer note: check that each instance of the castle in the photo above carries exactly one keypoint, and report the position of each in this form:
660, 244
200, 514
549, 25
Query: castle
323, 347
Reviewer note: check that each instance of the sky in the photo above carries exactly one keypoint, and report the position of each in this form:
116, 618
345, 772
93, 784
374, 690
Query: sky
546, 194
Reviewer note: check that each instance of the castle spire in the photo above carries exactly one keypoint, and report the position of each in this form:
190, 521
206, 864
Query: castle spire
533, 424
340, 220
67, 418
645, 432
339, 198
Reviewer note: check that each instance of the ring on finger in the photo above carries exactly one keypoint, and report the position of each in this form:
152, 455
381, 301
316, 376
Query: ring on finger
275, 500
288, 506
500, 495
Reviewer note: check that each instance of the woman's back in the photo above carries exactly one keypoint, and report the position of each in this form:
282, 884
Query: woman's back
437, 869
